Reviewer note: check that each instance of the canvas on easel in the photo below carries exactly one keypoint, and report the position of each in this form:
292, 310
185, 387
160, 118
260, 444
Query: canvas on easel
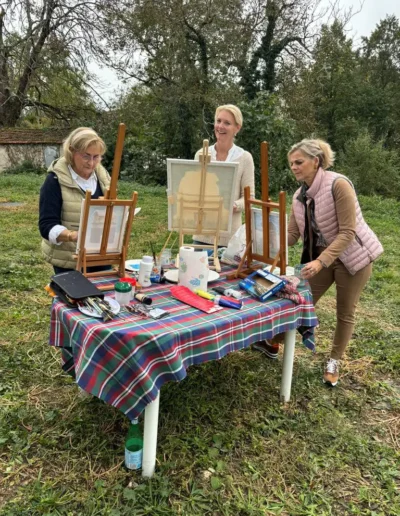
200, 198
274, 232
105, 225
254, 257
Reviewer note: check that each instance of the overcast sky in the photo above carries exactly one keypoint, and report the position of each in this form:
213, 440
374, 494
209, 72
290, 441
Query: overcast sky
362, 24
372, 12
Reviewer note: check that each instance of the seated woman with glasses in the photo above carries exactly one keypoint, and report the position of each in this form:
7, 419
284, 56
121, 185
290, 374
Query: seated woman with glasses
61, 194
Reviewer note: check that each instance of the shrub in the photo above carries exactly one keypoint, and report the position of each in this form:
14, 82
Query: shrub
26, 167
372, 168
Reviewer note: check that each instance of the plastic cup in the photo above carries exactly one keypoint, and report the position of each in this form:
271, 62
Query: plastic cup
166, 257
297, 272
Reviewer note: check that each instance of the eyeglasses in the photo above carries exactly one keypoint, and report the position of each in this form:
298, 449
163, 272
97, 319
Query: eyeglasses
89, 157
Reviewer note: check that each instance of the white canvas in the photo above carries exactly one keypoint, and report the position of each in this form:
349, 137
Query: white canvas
95, 227
274, 233
184, 183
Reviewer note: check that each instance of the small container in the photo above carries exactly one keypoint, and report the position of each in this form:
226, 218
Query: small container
123, 292
145, 268
166, 257
132, 283
297, 272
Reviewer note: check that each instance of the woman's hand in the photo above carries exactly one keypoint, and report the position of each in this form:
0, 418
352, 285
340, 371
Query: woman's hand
67, 236
311, 269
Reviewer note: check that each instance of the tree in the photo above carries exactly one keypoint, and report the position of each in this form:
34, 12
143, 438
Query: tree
35, 38
325, 97
265, 121
181, 50
283, 29
380, 66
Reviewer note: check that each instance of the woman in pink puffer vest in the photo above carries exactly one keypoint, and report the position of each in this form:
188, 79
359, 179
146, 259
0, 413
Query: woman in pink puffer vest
338, 245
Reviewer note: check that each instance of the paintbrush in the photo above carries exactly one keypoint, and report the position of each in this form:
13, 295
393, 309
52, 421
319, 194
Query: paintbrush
154, 253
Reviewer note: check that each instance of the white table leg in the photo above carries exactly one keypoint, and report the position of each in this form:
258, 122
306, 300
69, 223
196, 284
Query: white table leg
150, 438
288, 358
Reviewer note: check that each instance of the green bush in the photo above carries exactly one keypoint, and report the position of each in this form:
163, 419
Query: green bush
372, 168
26, 167
263, 121
143, 164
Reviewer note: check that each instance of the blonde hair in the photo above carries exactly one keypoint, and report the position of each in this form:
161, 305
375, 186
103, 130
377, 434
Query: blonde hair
315, 149
233, 110
79, 140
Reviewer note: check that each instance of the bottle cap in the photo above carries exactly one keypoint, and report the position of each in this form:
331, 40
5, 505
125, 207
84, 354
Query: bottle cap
122, 286
147, 259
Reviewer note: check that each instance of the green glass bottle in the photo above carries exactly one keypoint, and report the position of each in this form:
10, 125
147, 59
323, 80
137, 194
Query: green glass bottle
134, 446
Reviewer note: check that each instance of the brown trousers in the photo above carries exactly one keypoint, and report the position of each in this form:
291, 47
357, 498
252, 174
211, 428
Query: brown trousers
348, 291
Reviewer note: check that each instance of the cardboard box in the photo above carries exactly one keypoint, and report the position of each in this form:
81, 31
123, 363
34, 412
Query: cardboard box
261, 284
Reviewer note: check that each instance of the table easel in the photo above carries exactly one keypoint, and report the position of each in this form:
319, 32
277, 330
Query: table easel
257, 261
206, 205
110, 201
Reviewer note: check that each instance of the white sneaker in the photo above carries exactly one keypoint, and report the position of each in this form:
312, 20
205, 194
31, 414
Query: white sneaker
331, 374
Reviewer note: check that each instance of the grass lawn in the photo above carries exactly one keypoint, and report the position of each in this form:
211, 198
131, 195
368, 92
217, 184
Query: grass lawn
227, 446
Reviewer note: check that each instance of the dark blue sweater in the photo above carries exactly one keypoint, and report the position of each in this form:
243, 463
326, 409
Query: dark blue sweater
50, 204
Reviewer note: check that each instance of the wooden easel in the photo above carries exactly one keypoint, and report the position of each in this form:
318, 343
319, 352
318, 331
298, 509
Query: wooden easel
266, 206
109, 200
206, 205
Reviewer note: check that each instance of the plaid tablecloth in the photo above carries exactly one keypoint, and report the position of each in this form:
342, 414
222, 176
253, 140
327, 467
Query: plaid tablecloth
126, 361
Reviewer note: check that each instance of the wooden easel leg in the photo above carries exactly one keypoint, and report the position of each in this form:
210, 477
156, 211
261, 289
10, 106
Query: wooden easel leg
236, 274
84, 269
217, 265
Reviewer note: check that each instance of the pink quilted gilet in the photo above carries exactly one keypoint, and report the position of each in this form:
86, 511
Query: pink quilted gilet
364, 249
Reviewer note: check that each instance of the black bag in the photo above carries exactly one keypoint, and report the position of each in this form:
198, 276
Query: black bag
73, 286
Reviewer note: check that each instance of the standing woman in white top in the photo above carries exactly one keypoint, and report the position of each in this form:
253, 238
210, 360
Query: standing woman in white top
228, 122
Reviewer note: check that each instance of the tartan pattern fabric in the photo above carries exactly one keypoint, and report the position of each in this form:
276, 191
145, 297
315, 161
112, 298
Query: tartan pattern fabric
126, 361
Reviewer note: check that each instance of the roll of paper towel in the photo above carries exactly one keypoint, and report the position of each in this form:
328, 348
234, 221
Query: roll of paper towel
193, 268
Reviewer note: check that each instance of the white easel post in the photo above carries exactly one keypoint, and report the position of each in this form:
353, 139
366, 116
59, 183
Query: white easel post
150, 438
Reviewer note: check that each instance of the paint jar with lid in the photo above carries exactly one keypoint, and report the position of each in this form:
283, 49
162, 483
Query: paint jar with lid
123, 292
132, 283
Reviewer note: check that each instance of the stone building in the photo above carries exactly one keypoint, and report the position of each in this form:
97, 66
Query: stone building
40, 146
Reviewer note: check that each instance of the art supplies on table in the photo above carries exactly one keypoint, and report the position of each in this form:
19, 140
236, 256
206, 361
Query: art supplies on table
157, 273
105, 308
220, 300
229, 292
123, 292
72, 286
188, 297
193, 268
146, 311
132, 282
142, 298
262, 284
228, 302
